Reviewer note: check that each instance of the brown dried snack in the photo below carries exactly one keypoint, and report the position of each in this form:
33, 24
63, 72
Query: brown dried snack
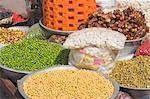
57, 39
130, 22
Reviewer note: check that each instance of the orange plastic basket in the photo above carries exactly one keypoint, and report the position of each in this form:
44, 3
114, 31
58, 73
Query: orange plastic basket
66, 15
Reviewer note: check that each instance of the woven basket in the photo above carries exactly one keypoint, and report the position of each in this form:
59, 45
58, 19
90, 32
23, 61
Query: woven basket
66, 15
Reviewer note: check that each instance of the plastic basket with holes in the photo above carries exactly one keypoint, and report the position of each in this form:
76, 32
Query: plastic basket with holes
66, 15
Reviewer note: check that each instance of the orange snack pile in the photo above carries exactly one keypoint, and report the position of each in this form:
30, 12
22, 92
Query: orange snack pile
66, 15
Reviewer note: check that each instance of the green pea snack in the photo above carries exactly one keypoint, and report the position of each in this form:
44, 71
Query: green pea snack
32, 55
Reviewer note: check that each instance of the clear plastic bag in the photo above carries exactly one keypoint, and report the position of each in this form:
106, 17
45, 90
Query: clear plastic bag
93, 58
17, 6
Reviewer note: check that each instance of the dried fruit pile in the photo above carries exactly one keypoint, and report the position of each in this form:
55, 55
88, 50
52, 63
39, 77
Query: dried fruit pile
130, 22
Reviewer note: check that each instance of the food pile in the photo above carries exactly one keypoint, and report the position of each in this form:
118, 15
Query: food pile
9, 36
142, 5
60, 39
93, 48
32, 55
68, 84
130, 22
134, 73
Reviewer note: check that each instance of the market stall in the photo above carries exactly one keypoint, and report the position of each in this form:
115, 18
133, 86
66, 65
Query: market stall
75, 49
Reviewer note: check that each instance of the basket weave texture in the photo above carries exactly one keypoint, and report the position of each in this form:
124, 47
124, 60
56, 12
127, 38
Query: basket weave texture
66, 15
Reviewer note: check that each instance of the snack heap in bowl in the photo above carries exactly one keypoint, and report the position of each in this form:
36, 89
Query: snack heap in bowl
32, 55
130, 22
10, 36
68, 84
134, 73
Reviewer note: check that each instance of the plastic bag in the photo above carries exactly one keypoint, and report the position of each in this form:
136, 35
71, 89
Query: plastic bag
12, 13
144, 49
5, 16
18, 6
93, 58
36, 31
94, 48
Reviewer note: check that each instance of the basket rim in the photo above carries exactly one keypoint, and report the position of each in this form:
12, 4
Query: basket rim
53, 30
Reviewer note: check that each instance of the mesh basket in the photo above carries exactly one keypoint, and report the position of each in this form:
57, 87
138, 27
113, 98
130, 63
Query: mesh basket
66, 15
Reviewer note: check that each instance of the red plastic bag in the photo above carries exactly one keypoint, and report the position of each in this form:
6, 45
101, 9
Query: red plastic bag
144, 49
17, 18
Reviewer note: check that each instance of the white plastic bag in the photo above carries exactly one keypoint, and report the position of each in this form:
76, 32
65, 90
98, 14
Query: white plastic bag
93, 58
94, 48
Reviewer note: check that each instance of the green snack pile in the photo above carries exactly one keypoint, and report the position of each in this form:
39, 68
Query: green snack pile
33, 54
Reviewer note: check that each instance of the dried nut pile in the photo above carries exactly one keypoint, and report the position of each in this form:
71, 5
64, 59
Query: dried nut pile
68, 84
9, 36
134, 73
130, 22
58, 39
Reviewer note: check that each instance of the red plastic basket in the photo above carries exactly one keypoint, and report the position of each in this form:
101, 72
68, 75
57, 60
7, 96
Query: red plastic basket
66, 15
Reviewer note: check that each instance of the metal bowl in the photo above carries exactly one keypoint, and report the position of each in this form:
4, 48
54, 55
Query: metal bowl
53, 31
131, 46
137, 93
13, 74
21, 82
21, 28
